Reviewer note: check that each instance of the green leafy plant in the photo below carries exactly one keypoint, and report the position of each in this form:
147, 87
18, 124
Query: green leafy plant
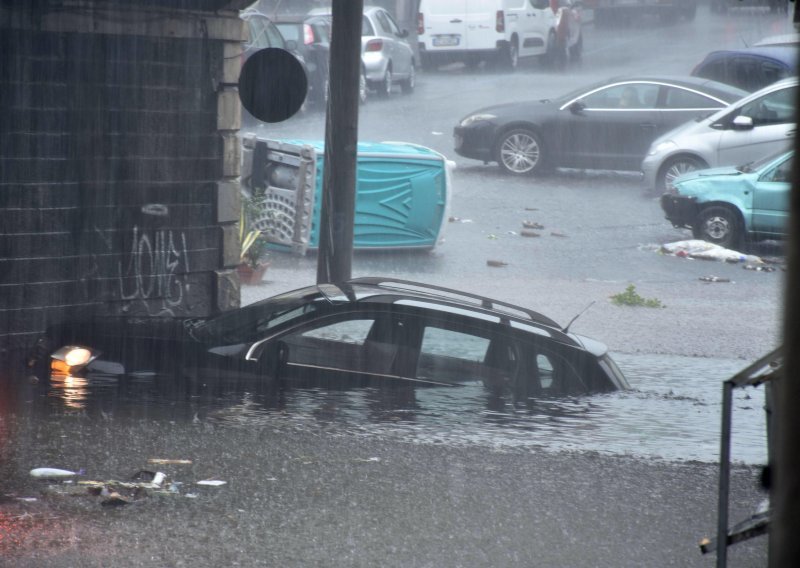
253, 241
631, 298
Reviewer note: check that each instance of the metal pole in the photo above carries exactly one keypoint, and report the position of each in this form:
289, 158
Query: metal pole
724, 475
335, 256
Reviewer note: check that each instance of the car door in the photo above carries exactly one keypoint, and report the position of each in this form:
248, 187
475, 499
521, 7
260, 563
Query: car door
771, 199
770, 128
445, 23
533, 23
610, 127
396, 48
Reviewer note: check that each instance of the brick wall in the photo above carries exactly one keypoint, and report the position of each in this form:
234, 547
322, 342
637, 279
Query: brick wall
118, 166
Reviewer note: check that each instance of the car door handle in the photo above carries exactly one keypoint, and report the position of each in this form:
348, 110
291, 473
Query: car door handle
456, 21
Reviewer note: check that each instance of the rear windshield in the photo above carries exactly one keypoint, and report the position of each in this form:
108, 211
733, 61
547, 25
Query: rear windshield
446, 7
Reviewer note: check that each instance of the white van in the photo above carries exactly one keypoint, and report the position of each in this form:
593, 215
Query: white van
500, 31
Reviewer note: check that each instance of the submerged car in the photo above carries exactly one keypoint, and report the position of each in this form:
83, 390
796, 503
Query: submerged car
363, 332
403, 193
607, 125
725, 205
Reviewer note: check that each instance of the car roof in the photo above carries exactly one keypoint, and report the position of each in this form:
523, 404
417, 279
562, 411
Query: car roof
362, 289
781, 39
781, 53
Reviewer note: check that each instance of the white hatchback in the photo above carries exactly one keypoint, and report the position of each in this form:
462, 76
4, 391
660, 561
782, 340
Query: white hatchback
757, 125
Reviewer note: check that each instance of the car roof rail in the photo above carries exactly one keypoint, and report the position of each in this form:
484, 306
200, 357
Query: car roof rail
485, 303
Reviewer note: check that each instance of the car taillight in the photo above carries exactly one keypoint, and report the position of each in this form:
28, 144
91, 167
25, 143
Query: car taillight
308, 35
420, 24
374, 45
500, 22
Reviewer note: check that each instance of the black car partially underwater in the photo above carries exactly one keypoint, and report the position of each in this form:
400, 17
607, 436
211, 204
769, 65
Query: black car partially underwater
363, 332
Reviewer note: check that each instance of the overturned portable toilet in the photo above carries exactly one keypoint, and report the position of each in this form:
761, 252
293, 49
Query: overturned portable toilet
403, 193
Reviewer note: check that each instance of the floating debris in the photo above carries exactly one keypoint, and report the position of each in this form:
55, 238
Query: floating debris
714, 279
529, 233
52, 473
369, 460
211, 482
531, 209
459, 220
557, 234
115, 500
160, 461
532, 225
759, 268
491, 236
496, 263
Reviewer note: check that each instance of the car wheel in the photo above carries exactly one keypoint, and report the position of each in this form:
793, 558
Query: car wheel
509, 55
556, 53
385, 86
719, 225
519, 152
677, 167
408, 85
576, 50
362, 88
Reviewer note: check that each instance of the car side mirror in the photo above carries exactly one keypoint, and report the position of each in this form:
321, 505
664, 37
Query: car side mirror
403, 33
577, 107
290, 45
742, 123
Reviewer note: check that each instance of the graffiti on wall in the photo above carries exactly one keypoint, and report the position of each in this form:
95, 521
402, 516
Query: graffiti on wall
156, 269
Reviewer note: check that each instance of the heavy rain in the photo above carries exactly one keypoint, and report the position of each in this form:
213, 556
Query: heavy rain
391, 420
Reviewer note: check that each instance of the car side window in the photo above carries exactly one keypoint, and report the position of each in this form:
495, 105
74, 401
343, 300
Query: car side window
394, 28
774, 108
780, 173
274, 36
628, 96
557, 374
383, 22
678, 98
451, 356
770, 72
338, 345
366, 27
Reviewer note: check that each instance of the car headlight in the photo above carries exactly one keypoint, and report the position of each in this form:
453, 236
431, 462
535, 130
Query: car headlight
662, 147
476, 118
71, 359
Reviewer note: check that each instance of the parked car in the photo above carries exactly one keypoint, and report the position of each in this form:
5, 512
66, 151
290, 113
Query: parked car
722, 6
790, 39
724, 205
750, 68
607, 125
403, 193
500, 31
386, 54
760, 123
311, 35
366, 331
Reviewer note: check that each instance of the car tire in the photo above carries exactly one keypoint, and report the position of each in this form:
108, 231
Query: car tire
719, 225
362, 88
508, 55
385, 86
408, 85
519, 152
555, 55
576, 51
675, 167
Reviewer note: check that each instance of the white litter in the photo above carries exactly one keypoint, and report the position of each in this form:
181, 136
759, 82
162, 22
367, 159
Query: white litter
211, 482
702, 250
51, 473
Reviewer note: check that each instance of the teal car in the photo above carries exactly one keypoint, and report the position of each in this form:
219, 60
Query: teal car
726, 205
402, 193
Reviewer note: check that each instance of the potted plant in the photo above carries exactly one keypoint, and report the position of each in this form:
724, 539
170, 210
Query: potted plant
254, 257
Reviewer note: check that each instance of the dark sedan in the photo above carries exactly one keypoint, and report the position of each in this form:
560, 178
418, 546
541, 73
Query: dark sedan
607, 126
364, 332
312, 37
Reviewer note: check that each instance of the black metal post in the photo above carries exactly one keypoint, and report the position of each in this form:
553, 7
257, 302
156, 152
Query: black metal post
335, 257
724, 475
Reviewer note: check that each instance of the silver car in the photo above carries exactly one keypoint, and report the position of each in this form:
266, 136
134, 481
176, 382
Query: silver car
386, 55
757, 125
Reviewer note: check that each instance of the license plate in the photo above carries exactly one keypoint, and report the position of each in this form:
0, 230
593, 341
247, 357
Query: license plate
446, 41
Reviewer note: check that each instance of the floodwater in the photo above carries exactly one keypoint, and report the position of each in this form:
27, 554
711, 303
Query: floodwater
672, 412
